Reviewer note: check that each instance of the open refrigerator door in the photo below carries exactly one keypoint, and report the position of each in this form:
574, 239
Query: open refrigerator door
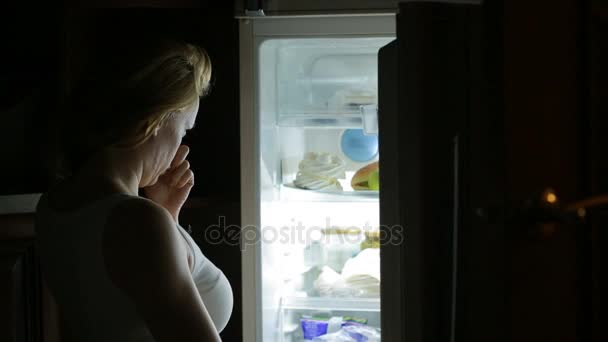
311, 251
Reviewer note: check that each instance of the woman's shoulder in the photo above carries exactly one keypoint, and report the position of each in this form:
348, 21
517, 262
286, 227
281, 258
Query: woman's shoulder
138, 221
67, 196
134, 211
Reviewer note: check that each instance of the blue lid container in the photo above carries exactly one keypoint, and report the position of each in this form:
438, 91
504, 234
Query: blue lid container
358, 146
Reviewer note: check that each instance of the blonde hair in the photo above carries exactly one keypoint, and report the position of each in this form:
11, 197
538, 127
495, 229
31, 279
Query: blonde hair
126, 93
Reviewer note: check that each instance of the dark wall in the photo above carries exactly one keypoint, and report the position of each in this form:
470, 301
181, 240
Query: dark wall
30, 69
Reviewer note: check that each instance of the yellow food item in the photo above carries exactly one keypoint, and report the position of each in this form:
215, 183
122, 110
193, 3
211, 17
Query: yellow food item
361, 179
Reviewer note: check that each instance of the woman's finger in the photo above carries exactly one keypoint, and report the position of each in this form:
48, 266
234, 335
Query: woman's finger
179, 172
187, 178
180, 155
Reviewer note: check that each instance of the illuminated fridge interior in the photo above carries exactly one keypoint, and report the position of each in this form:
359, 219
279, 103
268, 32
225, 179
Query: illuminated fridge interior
317, 99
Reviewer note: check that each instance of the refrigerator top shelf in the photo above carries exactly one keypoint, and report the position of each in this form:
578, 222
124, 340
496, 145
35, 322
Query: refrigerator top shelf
350, 120
362, 116
328, 303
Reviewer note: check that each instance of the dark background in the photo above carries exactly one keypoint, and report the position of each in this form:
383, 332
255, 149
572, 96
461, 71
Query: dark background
42, 50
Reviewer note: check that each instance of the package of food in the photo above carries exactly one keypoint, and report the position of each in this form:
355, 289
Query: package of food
362, 333
313, 327
318, 325
339, 336
351, 320
352, 333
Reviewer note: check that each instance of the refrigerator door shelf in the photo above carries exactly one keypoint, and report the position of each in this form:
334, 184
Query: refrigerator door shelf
334, 304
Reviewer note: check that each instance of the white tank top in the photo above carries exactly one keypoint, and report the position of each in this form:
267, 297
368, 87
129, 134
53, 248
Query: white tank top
94, 309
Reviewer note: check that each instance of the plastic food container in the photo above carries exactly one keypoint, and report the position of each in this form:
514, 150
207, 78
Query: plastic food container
339, 245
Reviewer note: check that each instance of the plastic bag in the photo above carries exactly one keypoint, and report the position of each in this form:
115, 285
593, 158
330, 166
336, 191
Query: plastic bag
352, 333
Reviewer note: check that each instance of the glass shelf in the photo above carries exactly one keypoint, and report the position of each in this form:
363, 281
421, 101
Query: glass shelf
312, 120
328, 303
290, 192
361, 116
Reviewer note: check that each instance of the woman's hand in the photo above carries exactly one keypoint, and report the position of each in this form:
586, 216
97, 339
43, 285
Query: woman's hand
173, 187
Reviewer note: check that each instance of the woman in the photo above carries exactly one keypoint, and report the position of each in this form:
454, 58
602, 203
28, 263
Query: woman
120, 266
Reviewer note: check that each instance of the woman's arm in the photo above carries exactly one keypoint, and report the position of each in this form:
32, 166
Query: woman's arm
145, 259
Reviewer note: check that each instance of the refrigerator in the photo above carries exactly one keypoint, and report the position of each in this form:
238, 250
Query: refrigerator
325, 97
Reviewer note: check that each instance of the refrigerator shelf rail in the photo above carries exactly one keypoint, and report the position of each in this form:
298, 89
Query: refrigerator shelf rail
327, 303
321, 121
289, 192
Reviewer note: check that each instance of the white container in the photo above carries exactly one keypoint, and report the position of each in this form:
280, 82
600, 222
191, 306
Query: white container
339, 245
370, 119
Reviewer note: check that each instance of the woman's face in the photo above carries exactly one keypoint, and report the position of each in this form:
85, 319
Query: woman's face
163, 146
